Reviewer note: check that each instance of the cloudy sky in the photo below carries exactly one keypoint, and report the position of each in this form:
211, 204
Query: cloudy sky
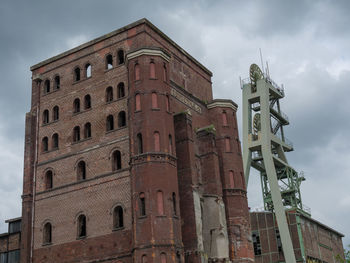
306, 44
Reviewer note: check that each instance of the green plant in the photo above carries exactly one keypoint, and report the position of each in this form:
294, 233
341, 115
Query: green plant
340, 259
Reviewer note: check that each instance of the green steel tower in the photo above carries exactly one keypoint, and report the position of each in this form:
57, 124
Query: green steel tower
264, 148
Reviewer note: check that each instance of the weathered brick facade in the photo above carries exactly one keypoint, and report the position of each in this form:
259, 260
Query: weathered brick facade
165, 184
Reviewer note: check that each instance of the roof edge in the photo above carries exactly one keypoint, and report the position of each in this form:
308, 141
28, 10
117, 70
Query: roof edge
115, 32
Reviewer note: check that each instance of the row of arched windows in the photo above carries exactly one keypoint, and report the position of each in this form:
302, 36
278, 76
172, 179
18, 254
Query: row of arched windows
154, 100
121, 121
81, 171
55, 115
156, 143
54, 143
117, 223
87, 132
56, 85
152, 71
160, 204
87, 71
87, 103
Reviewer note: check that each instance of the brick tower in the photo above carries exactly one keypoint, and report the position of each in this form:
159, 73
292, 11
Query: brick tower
129, 159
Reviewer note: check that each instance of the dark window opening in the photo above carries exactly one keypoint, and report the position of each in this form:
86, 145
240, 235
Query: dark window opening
55, 141
139, 143
87, 130
120, 57
47, 86
15, 226
116, 161
156, 138
137, 102
109, 94
45, 144
76, 134
76, 105
121, 119
47, 234
162, 258
87, 102
170, 144
174, 204
121, 90
167, 102
88, 70
118, 220
110, 123
256, 243
279, 242
46, 119
81, 226
57, 82
142, 204
164, 72
14, 256
48, 180
109, 62
77, 74
81, 171
154, 100
56, 113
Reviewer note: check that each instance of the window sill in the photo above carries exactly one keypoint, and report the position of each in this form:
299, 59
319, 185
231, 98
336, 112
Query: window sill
81, 80
118, 229
137, 111
118, 99
80, 112
153, 78
50, 92
82, 140
81, 238
141, 217
155, 109
161, 216
114, 130
47, 244
225, 126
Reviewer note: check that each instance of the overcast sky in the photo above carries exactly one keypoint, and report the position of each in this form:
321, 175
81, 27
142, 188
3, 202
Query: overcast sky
306, 44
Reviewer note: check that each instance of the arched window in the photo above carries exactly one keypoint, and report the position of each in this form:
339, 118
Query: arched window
77, 74
55, 113
87, 130
47, 233
121, 90
144, 259
174, 204
81, 171
142, 203
47, 86
224, 119
55, 141
46, 119
76, 105
160, 203
137, 102
118, 217
109, 94
81, 226
121, 119
154, 100
57, 83
167, 103
232, 180
156, 141
45, 144
76, 134
162, 258
137, 71
170, 144
88, 70
116, 161
110, 123
227, 145
109, 61
164, 72
120, 57
87, 102
152, 70
48, 180
139, 143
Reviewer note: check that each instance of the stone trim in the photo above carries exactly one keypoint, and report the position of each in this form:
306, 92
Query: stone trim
223, 104
148, 52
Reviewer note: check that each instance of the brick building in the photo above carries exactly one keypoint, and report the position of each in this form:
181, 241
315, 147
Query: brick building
10, 242
128, 158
